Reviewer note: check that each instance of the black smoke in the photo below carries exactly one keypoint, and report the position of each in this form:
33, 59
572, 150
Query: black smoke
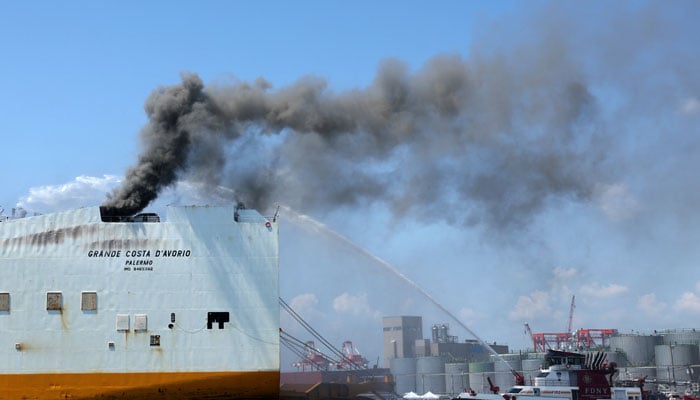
493, 138
441, 135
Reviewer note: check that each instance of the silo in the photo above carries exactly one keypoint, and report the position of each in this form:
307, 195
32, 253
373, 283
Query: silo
673, 360
682, 337
404, 371
639, 349
456, 378
478, 372
531, 367
430, 374
503, 367
694, 373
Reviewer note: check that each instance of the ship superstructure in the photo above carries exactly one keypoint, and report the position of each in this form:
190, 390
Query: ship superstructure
96, 306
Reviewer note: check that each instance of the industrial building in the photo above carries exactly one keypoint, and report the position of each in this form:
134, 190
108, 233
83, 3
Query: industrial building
400, 335
439, 364
668, 359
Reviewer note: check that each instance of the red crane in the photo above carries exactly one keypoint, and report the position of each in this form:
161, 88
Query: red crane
582, 338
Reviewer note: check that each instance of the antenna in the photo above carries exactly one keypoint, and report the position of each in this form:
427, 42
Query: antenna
571, 316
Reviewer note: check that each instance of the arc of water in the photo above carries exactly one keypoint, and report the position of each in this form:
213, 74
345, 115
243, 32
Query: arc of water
301, 218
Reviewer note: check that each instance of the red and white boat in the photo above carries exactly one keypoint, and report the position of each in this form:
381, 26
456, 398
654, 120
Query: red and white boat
566, 376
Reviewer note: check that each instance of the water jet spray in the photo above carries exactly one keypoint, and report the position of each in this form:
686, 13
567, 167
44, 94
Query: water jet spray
305, 219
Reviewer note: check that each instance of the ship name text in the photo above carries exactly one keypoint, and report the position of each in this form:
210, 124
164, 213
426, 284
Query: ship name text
139, 260
593, 390
139, 253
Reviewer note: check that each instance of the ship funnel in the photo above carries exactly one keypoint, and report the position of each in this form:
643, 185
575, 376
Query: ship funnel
236, 214
114, 214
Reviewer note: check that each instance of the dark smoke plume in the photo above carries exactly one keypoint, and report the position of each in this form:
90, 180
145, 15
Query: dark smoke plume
450, 135
545, 109
167, 139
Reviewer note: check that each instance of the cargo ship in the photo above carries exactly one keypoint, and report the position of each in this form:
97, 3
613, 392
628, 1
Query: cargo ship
101, 306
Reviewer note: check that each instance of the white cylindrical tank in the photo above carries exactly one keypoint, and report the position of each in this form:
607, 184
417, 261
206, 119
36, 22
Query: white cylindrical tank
531, 367
478, 374
404, 372
690, 336
638, 349
673, 361
456, 378
503, 370
617, 357
430, 375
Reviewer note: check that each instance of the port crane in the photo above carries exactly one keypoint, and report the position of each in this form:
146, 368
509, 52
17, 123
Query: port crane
311, 356
582, 338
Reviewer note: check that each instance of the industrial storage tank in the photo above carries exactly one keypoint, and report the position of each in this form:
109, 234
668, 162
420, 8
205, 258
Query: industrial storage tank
617, 357
456, 377
503, 370
686, 336
639, 349
430, 374
531, 367
478, 372
404, 372
673, 361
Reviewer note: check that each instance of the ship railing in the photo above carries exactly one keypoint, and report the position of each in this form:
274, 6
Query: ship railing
249, 218
551, 382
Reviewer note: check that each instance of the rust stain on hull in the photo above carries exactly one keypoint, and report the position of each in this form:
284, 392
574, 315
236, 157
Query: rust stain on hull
141, 386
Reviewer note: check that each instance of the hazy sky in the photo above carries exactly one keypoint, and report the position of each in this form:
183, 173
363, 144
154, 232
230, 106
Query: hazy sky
503, 156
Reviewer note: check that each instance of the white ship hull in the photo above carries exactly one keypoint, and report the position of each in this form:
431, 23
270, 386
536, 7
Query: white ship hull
175, 309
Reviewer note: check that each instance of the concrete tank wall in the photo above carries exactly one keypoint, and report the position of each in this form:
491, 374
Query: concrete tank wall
681, 337
481, 366
430, 374
617, 357
638, 349
404, 371
672, 361
478, 372
531, 367
503, 375
456, 378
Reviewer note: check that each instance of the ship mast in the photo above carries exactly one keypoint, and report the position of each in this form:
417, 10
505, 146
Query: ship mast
571, 318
